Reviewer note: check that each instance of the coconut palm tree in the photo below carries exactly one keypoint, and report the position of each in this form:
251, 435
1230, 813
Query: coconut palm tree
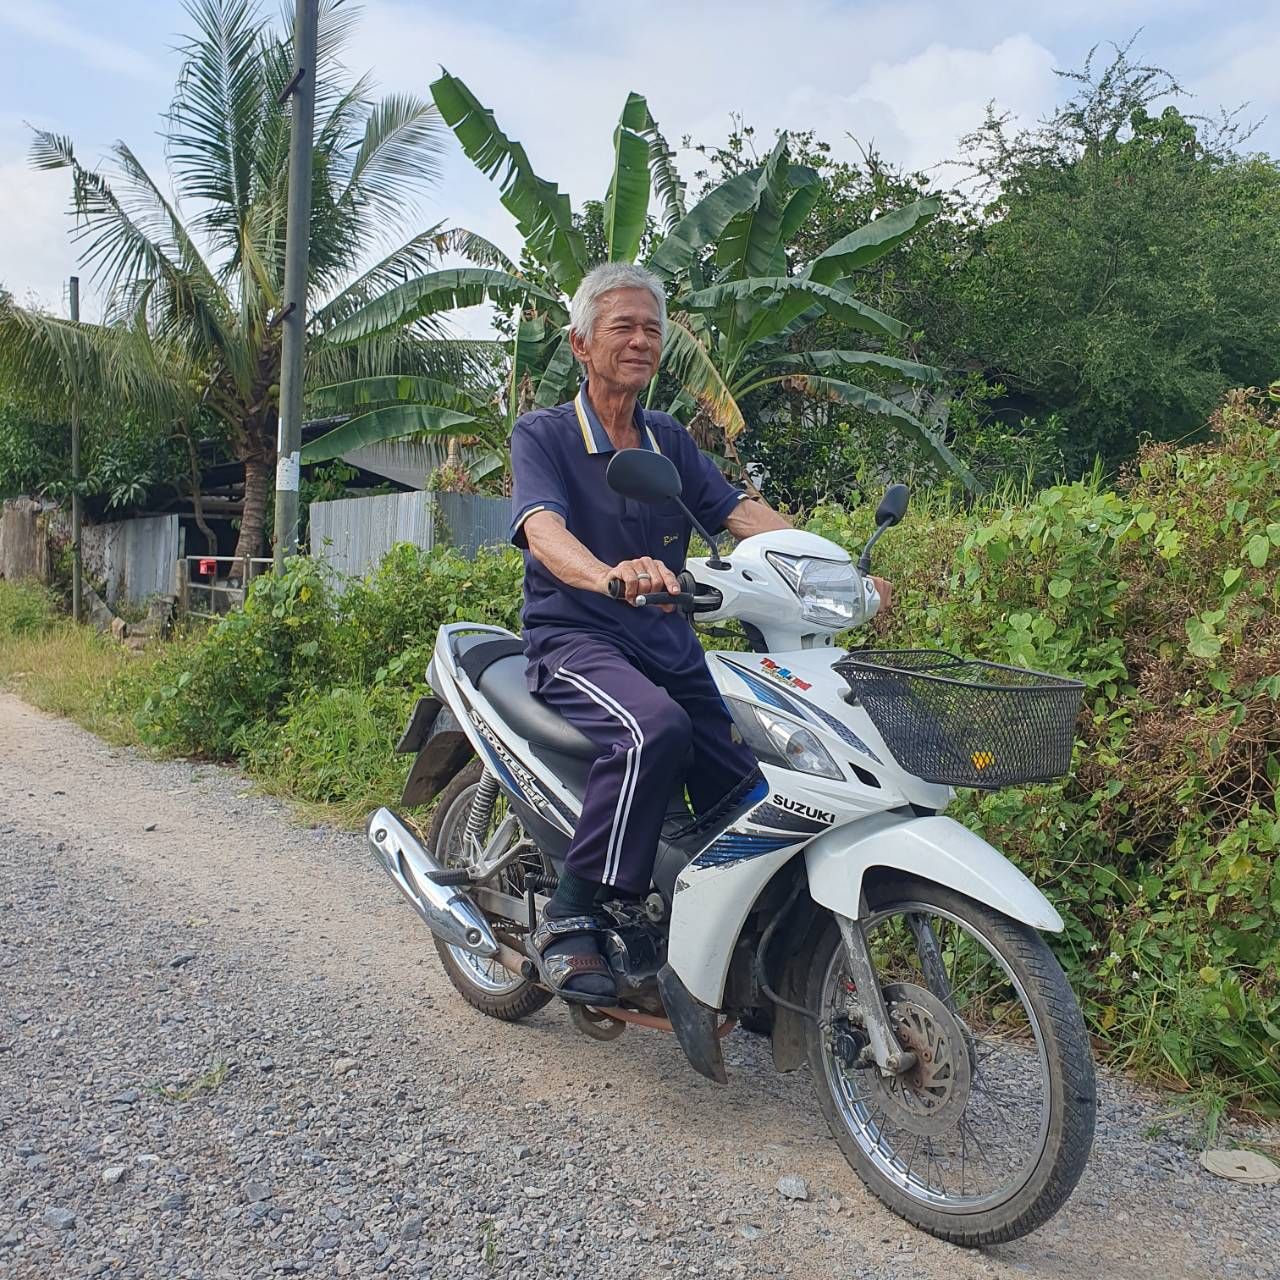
193, 283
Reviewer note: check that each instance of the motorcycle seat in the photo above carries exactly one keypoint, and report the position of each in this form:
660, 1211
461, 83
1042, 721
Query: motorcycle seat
500, 676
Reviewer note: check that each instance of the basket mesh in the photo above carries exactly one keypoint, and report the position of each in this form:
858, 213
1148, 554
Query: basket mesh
965, 722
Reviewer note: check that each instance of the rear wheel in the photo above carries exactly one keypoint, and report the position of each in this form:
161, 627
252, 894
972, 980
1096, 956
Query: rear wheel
483, 983
985, 1138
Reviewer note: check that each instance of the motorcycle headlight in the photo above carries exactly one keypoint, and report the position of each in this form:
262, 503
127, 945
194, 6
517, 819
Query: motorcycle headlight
777, 739
831, 592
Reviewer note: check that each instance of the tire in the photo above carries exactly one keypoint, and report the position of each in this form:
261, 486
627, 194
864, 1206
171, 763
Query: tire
506, 997
1048, 1043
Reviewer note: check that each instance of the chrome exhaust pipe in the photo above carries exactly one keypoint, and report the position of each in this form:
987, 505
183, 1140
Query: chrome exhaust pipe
448, 912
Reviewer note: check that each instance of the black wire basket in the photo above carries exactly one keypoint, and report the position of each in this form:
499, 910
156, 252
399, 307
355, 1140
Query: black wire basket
965, 722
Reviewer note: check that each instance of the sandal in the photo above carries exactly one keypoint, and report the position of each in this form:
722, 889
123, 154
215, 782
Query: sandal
568, 963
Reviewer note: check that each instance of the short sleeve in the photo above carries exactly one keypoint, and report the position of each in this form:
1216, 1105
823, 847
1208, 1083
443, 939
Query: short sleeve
706, 492
536, 482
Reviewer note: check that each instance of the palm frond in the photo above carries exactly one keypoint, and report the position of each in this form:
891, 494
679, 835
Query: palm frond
54, 361
400, 152
475, 248
215, 117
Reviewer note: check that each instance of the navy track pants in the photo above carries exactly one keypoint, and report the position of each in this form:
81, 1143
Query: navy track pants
651, 726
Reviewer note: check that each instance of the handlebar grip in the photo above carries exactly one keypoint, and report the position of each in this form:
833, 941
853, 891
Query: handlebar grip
681, 598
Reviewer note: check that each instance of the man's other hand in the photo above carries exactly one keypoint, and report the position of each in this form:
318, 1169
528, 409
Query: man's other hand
885, 589
639, 577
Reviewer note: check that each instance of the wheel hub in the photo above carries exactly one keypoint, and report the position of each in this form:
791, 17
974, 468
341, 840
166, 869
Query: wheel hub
928, 1098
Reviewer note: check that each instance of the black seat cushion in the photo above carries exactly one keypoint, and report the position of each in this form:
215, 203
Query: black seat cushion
503, 683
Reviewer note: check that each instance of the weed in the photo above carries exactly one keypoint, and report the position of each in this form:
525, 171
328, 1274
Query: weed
488, 1237
206, 1082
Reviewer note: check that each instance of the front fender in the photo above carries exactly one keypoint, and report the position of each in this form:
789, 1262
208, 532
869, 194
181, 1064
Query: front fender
937, 849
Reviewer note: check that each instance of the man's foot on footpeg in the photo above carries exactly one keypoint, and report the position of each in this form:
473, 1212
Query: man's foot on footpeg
565, 946
569, 959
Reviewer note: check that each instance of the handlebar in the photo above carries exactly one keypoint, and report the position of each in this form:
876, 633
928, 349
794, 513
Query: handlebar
692, 599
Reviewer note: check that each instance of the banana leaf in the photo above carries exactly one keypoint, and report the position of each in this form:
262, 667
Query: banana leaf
626, 205
541, 210
433, 292
871, 242
392, 423
820, 388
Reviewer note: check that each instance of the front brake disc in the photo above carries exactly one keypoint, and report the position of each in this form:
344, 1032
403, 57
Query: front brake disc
929, 1098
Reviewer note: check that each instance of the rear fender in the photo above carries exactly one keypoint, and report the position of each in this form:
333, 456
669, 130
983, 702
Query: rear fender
443, 751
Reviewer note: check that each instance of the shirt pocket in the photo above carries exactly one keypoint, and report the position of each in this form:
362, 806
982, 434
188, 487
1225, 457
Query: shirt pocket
669, 535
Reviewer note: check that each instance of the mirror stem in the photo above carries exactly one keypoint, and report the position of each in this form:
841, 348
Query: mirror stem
713, 559
864, 561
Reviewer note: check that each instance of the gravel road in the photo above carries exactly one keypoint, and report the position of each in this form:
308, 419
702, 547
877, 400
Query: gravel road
227, 1050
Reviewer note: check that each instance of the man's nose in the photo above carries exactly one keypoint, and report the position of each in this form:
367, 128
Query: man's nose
638, 338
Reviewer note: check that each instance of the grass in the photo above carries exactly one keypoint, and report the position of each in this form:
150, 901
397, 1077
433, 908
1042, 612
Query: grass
61, 668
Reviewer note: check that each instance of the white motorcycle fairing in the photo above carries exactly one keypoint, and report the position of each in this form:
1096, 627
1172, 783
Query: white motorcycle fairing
874, 815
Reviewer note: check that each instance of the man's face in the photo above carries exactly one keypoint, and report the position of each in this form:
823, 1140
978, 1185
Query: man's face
626, 341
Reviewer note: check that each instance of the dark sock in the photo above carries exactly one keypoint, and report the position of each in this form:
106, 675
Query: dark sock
611, 893
575, 896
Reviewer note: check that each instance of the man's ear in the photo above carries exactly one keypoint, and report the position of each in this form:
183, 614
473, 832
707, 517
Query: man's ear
577, 346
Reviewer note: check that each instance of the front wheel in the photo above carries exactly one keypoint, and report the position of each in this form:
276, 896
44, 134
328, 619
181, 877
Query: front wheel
985, 1137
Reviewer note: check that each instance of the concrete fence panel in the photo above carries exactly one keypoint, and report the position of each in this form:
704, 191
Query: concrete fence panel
24, 541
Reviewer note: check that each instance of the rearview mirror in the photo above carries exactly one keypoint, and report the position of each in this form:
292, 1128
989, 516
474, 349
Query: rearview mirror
644, 475
893, 506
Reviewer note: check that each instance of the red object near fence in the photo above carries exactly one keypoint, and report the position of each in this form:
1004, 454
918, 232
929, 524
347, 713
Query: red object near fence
208, 565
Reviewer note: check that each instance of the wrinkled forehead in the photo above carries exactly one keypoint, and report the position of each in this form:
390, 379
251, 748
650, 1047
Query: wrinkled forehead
627, 306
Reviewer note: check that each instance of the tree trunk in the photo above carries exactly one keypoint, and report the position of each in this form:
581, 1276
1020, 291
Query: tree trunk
197, 498
253, 522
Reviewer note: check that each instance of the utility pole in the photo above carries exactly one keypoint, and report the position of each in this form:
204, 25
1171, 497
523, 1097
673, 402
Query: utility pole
302, 89
77, 513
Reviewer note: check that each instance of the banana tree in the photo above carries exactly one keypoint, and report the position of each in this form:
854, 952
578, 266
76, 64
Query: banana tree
737, 303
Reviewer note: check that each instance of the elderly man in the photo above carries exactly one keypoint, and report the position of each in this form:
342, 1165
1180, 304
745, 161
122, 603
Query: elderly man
633, 680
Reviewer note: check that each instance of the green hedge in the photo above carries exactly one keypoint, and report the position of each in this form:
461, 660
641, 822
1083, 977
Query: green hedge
1162, 594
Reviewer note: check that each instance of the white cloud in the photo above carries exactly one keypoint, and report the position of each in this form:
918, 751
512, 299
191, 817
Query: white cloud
934, 98
46, 22
37, 255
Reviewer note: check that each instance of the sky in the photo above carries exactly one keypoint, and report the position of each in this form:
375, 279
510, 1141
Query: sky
909, 75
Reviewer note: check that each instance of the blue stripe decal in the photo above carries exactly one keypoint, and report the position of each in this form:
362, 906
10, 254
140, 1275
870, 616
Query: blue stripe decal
737, 846
799, 706
844, 732
763, 689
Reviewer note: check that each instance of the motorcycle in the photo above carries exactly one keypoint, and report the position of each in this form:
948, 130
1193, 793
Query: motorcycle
828, 902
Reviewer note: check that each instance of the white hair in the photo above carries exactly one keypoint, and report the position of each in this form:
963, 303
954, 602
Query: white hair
608, 277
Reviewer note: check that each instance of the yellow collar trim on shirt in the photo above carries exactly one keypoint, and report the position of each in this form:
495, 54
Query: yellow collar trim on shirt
587, 426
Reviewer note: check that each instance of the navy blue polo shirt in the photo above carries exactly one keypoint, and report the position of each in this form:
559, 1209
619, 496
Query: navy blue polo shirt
558, 462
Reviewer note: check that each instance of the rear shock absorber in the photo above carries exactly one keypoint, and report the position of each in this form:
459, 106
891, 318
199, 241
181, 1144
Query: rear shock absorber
480, 813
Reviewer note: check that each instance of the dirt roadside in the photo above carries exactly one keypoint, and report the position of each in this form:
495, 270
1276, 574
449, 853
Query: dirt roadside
294, 930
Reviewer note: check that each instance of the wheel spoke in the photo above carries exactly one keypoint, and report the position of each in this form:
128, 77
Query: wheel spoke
965, 1126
